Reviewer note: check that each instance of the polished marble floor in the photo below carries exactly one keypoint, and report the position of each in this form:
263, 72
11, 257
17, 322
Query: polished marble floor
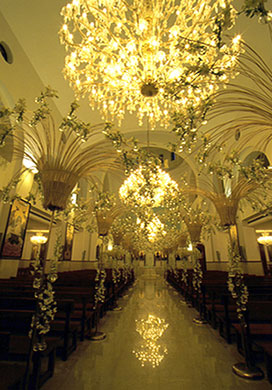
152, 344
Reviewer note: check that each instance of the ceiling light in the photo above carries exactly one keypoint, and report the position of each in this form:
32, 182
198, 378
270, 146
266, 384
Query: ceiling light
146, 56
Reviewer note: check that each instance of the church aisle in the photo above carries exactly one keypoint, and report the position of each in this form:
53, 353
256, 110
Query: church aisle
192, 357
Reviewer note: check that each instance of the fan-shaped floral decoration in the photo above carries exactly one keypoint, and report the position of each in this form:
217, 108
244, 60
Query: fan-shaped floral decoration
60, 154
248, 103
251, 183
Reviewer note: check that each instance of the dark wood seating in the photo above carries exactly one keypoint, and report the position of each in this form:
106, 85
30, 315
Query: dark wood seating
18, 318
76, 314
266, 346
11, 375
258, 323
14, 352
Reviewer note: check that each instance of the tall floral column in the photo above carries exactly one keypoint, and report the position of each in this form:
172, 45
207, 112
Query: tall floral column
227, 210
226, 182
105, 211
194, 225
61, 155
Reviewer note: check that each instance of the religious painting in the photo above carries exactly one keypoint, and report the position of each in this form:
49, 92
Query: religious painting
68, 244
13, 242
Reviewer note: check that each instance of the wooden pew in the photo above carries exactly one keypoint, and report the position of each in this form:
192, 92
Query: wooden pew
14, 354
18, 317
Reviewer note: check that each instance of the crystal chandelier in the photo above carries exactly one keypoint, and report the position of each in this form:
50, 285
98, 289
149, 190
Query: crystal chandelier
153, 229
265, 238
38, 239
152, 57
148, 186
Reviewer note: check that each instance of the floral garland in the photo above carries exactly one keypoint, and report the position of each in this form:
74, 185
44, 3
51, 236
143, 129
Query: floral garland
116, 275
100, 289
197, 271
44, 293
197, 277
126, 273
236, 285
184, 265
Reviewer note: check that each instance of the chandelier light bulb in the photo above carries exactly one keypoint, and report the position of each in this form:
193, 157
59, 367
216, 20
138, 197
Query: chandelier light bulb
148, 56
265, 239
38, 239
148, 186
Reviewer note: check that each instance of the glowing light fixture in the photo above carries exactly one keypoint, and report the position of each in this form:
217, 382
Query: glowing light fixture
148, 186
265, 239
152, 57
153, 229
190, 247
38, 239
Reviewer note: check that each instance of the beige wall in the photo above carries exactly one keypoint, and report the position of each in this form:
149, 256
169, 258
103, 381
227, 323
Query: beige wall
17, 80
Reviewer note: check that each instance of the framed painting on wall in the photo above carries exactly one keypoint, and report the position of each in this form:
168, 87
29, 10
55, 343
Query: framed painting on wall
68, 244
13, 242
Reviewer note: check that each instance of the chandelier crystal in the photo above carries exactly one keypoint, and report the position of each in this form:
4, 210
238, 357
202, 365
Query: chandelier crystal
148, 186
153, 228
152, 57
38, 239
265, 239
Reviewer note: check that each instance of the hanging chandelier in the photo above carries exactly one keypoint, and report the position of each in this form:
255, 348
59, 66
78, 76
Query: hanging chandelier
152, 228
265, 238
152, 57
148, 186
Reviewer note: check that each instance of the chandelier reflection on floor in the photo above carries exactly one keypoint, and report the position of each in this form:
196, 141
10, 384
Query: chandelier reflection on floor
152, 57
151, 330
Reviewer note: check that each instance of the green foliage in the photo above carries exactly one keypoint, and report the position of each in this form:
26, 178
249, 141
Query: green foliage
253, 8
186, 125
104, 201
236, 283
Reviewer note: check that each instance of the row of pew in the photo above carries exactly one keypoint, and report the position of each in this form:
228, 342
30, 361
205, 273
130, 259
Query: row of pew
216, 305
76, 319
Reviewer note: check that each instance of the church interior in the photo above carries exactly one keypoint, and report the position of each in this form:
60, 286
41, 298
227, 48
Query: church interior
135, 194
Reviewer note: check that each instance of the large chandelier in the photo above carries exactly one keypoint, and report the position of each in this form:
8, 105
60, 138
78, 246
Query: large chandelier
265, 238
147, 187
152, 57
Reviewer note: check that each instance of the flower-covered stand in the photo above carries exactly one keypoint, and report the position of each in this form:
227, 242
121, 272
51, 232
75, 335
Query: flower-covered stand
227, 211
194, 225
239, 292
